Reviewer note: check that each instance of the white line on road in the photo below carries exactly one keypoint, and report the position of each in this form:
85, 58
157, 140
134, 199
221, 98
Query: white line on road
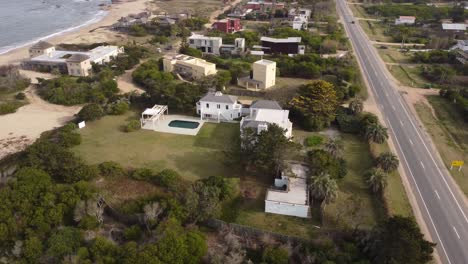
401, 123
410, 141
456, 233
419, 191
394, 109
422, 164
438, 196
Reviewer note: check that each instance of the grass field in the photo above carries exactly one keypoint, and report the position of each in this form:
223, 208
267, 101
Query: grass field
193, 157
374, 31
392, 55
8, 103
408, 76
201, 8
449, 133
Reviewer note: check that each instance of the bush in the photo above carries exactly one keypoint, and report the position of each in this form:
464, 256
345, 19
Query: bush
313, 141
133, 125
275, 255
119, 108
133, 233
88, 222
111, 169
167, 178
8, 108
20, 96
143, 174
68, 137
91, 112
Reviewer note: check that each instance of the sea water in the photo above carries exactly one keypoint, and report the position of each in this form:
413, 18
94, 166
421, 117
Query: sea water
23, 22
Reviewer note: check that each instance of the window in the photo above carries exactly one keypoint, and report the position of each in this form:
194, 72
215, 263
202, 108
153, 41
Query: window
191, 41
218, 106
207, 105
227, 107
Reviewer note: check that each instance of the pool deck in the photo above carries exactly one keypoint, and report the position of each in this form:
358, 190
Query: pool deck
163, 125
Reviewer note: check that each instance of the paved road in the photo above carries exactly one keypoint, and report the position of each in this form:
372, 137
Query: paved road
438, 199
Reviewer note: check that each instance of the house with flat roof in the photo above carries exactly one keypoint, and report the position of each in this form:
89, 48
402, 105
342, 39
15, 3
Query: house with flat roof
228, 25
263, 75
219, 107
188, 66
265, 112
290, 45
454, 30
299, 23
44, 56
290, 193
233, 49
405, 20
205, 44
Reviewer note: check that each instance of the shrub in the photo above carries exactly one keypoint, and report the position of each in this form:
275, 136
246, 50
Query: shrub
88, 222
91, 112
143, 174
69, 138
133, 125
20, 96
313, 141
275, 255
167, 178
8, 108
132, 233
111, 169
119, 108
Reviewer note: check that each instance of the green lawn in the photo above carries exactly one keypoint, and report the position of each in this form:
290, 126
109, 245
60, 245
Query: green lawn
374, 31
9, 103
392, 55
449, 133
408, 76
193, 157
395, 194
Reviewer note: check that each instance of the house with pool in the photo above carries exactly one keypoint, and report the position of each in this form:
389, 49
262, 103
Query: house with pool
219, 107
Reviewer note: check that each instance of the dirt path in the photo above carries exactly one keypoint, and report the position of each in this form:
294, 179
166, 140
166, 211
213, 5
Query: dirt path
125, 83
218, 12
22, 128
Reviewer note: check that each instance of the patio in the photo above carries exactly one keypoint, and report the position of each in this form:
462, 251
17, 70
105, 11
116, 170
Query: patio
162, 125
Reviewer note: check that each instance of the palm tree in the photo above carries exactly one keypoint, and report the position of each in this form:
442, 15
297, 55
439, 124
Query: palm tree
334, 147
324, 188
388, 161
376, 133
376, 179
356, 106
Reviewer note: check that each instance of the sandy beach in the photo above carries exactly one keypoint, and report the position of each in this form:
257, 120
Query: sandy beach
20, 129
97, 32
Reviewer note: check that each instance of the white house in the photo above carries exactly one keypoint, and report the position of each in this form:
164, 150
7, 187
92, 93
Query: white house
233, 49
210, 45
299, 23
405, 20
188, 66
219, 107
265, 112
44, 56
300, 12
461, 49
290, 194
263, 75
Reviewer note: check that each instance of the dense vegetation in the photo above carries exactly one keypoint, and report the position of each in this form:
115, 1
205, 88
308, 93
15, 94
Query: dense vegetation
11, 82
423, 13
458, 97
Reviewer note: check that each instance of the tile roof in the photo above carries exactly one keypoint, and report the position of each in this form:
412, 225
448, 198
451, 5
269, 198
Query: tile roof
219, 97
266, 104
42, 45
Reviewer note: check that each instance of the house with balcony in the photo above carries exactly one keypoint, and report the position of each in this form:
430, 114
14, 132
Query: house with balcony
288, 46
262, 113
188, 67
219, 107
208, 45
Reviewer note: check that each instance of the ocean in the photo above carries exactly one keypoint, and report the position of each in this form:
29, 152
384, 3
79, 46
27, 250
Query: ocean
23, 22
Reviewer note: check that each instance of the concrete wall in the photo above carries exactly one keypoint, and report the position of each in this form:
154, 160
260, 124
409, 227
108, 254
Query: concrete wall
286, 209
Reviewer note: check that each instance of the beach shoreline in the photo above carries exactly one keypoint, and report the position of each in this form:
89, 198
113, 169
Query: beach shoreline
87, 33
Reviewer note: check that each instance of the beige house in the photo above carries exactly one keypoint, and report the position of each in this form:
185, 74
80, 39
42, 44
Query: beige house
188, 66
263, 75
79, 65
41, 48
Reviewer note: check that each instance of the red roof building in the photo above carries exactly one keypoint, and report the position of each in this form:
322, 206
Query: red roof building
229, 25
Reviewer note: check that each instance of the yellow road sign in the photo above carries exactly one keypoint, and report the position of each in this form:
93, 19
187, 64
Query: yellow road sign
458, 163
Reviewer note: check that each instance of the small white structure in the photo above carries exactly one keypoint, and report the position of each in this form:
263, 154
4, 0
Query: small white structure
219, 107
299, 23
454, 26
188, 66
405, 20
265, 112
263, 75
40, 48
152, 115
81, 124
209, 45
290, 194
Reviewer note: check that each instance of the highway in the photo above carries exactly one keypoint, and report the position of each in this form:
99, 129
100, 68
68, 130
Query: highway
439, 200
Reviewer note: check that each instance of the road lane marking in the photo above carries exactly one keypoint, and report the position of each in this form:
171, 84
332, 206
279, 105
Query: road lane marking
401, 123
438, 196
456, 233
410, 141
435, 163
419, 191
394, 109
386, 94
422, 164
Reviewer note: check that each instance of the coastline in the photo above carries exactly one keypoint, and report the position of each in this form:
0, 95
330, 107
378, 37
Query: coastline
89, 32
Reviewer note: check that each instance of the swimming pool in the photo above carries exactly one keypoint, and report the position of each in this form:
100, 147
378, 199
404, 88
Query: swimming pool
184, 124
